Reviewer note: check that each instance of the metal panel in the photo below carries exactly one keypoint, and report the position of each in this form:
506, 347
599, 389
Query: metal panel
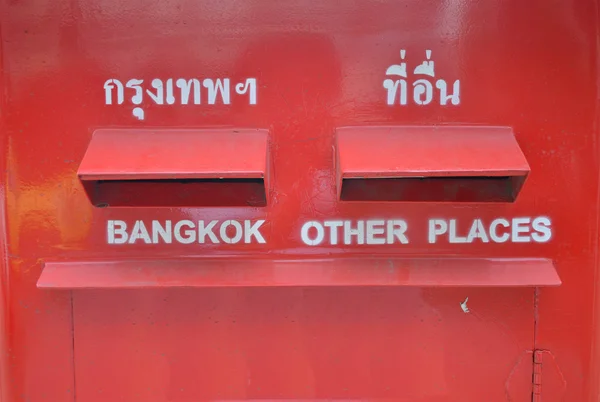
349, 344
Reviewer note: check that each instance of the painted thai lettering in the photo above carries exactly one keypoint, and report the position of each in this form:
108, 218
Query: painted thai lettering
180, 91
423, 75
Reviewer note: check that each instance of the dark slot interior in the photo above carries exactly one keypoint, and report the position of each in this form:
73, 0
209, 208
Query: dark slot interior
433, 189
176, 193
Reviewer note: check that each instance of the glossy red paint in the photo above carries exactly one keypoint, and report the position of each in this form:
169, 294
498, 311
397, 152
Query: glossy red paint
429, 164
176, 168
319, 66
206, 273
428, 152
175, 154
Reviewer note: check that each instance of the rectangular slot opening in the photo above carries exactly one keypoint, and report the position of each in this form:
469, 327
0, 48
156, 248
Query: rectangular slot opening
429, 164
177, 193
432, 189
176, 168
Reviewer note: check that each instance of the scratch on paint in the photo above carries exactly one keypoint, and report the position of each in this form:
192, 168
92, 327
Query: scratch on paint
464, 307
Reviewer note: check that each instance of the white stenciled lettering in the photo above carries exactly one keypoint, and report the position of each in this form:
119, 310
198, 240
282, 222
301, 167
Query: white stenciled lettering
398, 88
542, 231
499, 230
396, 230
164, 232
370, 232
453, 237
477, 231
520, 230
374, 229
185, 232
139, 232
207, 230
215, 88
499, 238
318, 233
437, 227
333, 230
178, 91
359, 232
237, 229
185, 236
116, 232
253, 231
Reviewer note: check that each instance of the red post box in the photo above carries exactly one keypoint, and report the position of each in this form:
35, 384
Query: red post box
317, 200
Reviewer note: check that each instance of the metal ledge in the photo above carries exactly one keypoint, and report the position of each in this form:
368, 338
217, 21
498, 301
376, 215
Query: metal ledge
358, 271
429, 163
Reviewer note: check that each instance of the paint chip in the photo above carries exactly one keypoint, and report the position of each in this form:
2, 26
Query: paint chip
464, 307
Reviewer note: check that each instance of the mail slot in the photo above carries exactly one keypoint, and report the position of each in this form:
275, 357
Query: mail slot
176, 168
454, 164
304, 201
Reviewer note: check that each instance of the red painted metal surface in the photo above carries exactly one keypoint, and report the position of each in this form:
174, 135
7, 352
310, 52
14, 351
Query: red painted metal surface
371, 152
182, 344
301, 71
448, 272
429, 163
175, 154
176, 168
548, 381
